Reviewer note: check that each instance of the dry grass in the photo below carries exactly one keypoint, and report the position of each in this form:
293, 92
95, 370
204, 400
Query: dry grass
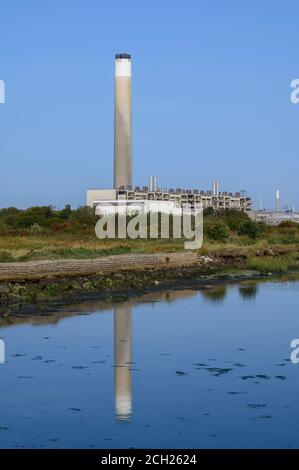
45, 246
26, 248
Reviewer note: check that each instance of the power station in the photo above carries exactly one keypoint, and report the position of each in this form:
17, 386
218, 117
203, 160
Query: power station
123, 182
277, 216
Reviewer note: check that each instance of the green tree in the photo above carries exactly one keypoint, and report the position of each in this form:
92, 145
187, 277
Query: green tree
41, 215
234, 218
208, 211
8, 216
248, 229
218, 231
66, 212
85, 216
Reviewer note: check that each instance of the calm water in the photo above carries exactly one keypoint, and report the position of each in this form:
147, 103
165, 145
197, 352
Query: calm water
199, 369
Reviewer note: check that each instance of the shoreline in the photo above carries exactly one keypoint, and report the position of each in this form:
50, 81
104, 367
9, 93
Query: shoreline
43, 286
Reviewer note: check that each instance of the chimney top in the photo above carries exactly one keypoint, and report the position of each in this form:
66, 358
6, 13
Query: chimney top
123, 56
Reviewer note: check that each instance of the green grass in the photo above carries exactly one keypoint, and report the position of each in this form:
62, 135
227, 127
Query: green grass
41, 233
44, 247
74, 239
271, 264
72, 253
6, 256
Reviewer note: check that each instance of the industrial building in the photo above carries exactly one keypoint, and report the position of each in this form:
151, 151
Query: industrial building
192, 198
277, 216
156, 196
274, 217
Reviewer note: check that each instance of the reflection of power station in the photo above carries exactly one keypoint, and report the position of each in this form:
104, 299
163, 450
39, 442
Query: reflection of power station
122, 361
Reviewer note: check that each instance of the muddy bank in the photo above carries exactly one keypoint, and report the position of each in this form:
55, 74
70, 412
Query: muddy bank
31, 285
72, 268
43, 286
47, 295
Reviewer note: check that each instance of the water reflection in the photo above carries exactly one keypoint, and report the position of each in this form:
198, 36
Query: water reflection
57, 390
248, 292
216, 293
123, 349
123, 329
123, 361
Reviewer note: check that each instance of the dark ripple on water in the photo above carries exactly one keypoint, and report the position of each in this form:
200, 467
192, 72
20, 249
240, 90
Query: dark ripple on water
256, 406
181, 372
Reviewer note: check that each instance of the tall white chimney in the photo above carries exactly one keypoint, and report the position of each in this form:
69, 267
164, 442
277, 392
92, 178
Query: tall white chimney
277, 201
215, 188
122, 122
153, 183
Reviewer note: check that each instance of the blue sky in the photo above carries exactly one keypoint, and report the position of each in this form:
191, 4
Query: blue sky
211, 96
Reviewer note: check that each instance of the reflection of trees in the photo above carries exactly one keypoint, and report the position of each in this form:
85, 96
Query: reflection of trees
216, 293
248, 291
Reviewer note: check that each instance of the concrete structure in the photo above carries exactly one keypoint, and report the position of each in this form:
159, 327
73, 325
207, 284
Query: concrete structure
133, 206
277, 201
153, 183
215, 188
261, 204
194, 197
274, 217
95, 196
224, 200
122, 122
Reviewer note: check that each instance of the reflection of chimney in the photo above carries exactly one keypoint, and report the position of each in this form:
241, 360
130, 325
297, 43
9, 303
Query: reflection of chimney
122, 362
277, 201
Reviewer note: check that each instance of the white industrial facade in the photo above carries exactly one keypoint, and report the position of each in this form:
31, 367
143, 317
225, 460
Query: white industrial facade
179, 198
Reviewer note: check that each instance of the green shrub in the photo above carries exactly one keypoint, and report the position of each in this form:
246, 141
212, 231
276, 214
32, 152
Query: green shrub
288, 224
35, 228
232, 217
217, 231
4, 229
6, 257
248, 229
208, 211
